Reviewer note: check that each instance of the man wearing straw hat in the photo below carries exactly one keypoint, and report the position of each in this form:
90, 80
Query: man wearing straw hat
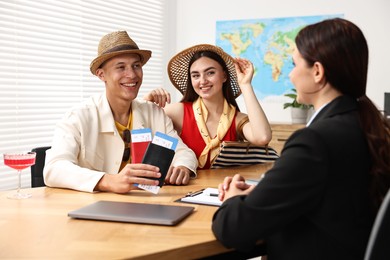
90, 150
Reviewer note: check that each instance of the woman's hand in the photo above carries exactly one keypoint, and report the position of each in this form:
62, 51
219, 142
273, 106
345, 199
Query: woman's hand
159, 96
233, 186
244, 70
258, 130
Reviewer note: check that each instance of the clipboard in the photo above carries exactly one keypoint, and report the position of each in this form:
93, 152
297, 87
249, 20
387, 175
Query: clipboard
208, 196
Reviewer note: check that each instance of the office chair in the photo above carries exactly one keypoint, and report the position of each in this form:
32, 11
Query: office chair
378, 244
37, 168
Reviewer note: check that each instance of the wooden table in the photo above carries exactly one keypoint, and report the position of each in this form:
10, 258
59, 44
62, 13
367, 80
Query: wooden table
39, 227
280, 133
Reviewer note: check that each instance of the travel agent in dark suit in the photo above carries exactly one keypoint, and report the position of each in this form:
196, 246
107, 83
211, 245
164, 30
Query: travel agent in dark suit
320, 198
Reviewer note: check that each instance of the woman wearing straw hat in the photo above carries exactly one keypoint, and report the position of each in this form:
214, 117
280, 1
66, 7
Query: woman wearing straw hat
210, 81
90, 151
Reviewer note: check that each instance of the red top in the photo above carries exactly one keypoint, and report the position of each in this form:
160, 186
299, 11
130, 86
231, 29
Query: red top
191, 136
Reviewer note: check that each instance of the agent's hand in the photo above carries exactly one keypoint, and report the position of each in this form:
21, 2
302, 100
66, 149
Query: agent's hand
233, 186
131, 174
244, 70
159, 96
179, 175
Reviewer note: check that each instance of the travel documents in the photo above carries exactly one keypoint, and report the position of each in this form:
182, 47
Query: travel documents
140, 139
160, 153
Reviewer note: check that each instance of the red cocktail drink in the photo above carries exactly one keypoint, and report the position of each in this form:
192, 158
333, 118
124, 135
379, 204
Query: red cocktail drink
19, 161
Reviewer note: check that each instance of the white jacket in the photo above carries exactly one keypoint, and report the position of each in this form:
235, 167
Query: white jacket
86, 143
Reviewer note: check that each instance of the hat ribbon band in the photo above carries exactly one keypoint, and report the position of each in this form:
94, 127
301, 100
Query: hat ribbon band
121, 48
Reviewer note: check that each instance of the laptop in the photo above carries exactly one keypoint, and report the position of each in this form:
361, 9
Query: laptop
143, 213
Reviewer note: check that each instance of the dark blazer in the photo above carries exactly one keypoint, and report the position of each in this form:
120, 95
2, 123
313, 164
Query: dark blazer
314, 203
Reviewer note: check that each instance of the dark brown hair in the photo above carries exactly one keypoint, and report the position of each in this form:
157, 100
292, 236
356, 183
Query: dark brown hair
190, 95
340, 46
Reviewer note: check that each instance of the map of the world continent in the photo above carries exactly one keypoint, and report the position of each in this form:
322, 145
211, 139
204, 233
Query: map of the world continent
269, 44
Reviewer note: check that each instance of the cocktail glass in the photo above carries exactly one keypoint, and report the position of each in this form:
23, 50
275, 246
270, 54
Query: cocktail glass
19, 161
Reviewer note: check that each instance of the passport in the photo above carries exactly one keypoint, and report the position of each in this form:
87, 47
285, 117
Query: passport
161, 157
140, 139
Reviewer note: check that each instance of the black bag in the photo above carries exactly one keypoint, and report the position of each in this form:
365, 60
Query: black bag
237, 153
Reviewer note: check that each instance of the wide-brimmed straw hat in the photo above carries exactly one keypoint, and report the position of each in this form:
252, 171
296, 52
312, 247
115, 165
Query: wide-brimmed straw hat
114, 44
178, 67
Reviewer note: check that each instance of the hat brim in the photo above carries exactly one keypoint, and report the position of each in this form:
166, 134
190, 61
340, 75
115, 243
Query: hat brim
179, 64
97, 62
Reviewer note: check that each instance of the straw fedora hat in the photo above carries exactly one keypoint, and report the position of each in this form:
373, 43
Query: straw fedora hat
178, 67
114, 44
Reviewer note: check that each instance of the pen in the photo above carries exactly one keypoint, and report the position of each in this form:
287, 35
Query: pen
211, 192
192, 194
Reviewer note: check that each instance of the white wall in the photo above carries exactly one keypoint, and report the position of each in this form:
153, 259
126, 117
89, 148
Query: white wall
195, 23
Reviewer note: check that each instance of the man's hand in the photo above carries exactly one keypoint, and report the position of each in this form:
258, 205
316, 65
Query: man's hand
179, 175
131, 174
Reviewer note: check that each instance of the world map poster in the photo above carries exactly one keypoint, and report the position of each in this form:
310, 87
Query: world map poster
269, 44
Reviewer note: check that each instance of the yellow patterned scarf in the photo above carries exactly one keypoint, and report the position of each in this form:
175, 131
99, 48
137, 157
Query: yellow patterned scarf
212, 145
